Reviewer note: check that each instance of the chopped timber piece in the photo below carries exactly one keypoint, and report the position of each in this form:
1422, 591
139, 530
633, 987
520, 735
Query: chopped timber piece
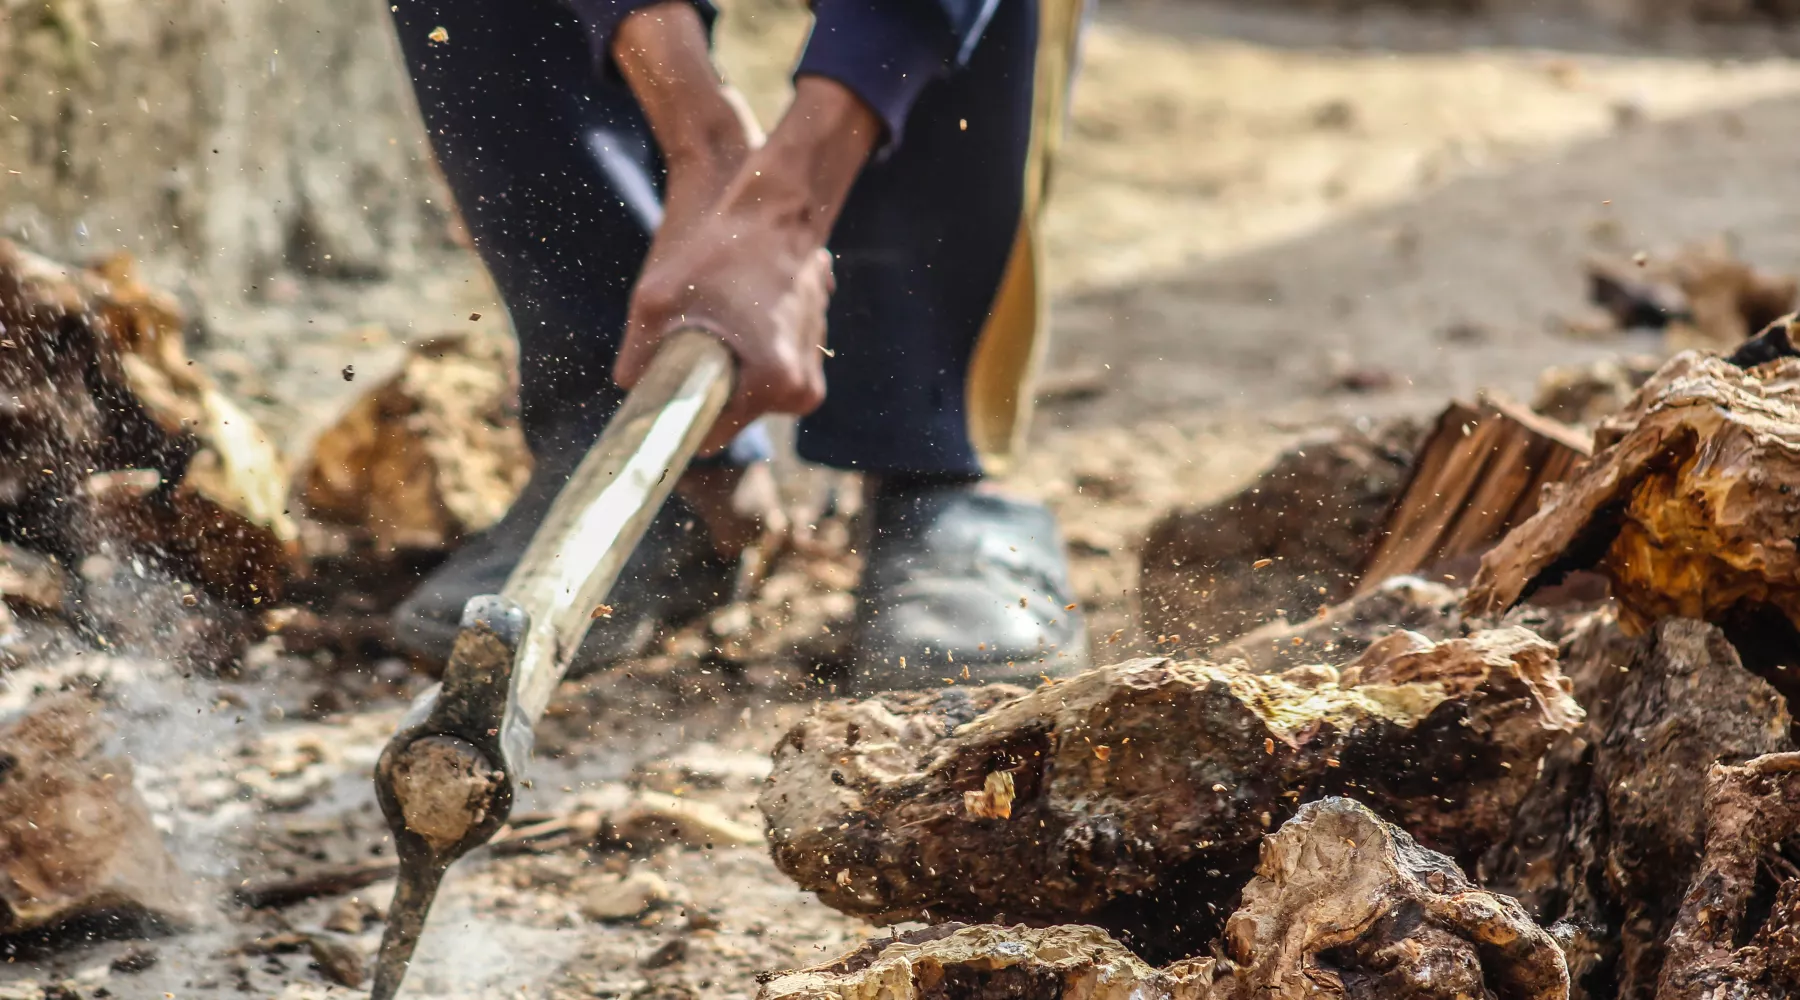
1284, 546
1141, 789
1686, 508
1738, 931
427, 456
76, 841
984, 962
1481, 471
1609, 837
1346, 905
94, 380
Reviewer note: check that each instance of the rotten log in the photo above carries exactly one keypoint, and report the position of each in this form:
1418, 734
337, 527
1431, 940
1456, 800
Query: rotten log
1481, 471
432, 453
1288, 544
1343, 905
76, 840
94, 379
1738, 932
1138, 790
1686, 507
1608, 839
1346, 905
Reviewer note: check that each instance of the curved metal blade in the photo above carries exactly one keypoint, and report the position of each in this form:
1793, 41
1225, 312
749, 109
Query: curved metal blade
416, 888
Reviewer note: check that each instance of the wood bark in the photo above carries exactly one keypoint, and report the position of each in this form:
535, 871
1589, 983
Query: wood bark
1608, 839
76, 840
1686, 506
1134, 796
1288, 544
110, 436
430, 453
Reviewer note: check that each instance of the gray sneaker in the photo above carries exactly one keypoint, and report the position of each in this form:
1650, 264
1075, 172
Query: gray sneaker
960, 580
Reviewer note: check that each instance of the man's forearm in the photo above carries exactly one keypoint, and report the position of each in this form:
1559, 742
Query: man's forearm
803, 173
661, 52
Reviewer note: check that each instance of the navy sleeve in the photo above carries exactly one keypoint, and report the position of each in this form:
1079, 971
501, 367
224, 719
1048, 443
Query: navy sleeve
884, 51
600, 18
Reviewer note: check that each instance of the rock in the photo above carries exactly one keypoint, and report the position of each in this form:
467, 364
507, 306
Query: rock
961, 962
134, 960
1293, 541
1346, 905
1686, 506
351, 916
76, 840
428, 455
623, 898
338, 960
671, 952
1141, 789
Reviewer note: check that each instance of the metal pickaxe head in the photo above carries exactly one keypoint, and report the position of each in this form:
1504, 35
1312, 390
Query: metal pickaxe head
445, 780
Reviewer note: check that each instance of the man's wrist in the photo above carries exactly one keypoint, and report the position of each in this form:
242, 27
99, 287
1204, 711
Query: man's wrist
802, 174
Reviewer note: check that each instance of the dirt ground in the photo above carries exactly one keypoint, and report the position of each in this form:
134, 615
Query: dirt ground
1263, 224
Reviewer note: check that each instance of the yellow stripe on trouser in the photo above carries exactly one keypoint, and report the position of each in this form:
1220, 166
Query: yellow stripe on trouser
1011, 346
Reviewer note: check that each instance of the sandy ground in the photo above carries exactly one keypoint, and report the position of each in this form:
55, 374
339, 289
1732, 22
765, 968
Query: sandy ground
1252, 209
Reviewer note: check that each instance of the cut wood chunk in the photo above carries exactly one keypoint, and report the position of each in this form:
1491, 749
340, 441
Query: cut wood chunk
1140, 790
1481, 471
985, 962
1345, 905
429, 455
76, 841
1291, 542
1687, 507
94, 378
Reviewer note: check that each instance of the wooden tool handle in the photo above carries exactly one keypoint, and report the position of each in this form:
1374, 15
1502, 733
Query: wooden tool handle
604, 510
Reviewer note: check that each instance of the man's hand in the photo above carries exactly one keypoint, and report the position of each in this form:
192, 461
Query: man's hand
753, 269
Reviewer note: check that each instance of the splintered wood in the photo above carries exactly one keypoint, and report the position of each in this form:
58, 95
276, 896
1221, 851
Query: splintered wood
1140, 791
94, 380
1482, 471
75, 838
1686, 506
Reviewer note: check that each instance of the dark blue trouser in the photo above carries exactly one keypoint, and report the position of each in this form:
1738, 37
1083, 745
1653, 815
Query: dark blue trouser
557, 178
